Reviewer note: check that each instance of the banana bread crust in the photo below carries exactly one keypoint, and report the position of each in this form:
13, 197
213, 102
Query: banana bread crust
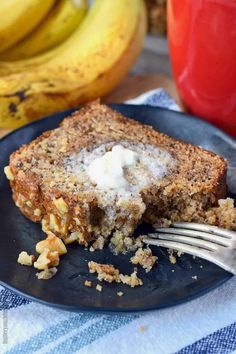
74, 213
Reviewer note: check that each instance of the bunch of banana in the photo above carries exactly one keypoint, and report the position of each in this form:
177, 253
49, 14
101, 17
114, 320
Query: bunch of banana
19, 17
57, 26
87, 65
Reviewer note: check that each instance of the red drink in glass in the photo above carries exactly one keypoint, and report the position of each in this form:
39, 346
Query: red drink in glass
202, 42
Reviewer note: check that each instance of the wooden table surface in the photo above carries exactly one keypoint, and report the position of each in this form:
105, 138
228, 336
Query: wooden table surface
152, 70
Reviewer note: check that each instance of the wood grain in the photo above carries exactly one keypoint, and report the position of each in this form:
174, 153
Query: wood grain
133, 86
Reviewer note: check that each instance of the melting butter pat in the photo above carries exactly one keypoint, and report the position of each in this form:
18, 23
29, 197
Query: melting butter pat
108, 171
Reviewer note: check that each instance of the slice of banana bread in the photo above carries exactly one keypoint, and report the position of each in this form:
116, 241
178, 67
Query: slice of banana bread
168, 179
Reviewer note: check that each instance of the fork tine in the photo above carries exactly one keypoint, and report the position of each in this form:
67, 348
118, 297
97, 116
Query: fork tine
223, 241
187, 240
206, 228
195, 251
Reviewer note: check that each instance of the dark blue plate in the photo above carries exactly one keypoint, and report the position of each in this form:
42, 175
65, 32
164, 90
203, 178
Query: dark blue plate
165, 285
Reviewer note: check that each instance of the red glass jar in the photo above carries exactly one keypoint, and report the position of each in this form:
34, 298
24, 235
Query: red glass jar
202, 43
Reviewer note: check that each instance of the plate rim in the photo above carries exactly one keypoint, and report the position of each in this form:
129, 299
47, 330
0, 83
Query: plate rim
117, 310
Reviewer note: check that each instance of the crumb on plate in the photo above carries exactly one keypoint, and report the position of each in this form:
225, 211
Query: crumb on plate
142, 329
88, 283
145, 258
99, 287
46, 273
120, 293
172, 256
109, 273
25, 259
105, 272
132, 280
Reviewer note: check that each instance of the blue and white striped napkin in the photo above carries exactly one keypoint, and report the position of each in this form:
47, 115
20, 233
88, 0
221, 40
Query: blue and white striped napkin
205, 325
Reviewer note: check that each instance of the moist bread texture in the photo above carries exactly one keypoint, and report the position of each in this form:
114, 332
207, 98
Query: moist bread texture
49, 189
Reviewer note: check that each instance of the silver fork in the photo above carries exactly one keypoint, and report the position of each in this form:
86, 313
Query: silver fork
205, 241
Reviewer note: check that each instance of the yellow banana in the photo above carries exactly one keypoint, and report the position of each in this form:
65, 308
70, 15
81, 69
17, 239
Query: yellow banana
14, 67
8, 68
98, 56
19, 17
61, 21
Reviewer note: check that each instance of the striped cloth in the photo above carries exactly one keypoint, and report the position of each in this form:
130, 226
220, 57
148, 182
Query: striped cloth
204, 325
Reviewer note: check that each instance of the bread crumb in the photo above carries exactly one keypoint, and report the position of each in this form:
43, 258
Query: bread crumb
145, 258
47, 273
132, 280
120, 293
88, 283
99, 287
105, 272
109, 273
25, 259
173, 254
98, 244
61, 205
142, 329
172, 258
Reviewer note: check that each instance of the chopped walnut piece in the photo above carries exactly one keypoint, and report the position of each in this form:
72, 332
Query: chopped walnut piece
25, 259
145, 258
61, 205
88, 283
45, 226
37, 212
99, 287
28, 203
8, 173
53, 243
47, 273
47, 259
76, 236
54, 223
